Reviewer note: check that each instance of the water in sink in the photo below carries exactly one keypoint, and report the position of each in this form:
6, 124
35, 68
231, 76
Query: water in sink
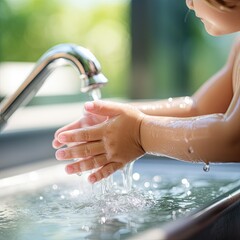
47, 204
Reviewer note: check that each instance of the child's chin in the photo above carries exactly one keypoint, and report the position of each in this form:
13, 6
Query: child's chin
216, 32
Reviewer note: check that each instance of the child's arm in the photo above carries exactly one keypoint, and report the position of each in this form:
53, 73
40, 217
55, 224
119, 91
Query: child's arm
207, 100
213, 135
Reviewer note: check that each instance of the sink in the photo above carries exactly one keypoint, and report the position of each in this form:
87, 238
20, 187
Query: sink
170, 200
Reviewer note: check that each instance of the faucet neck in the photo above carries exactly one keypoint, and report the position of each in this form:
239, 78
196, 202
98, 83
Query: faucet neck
78, 57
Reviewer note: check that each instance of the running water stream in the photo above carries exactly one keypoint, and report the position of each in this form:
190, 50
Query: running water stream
107, 185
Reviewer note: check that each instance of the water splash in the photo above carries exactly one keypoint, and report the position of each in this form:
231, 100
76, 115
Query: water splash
63, 208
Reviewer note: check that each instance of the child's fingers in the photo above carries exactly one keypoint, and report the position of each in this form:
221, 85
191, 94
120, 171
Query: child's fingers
83, 150
105, 171
56, 144
70, 126
87, 164
88, 120
104, 108
87, 134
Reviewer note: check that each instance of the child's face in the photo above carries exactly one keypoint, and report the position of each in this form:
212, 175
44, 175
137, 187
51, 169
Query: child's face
216, 22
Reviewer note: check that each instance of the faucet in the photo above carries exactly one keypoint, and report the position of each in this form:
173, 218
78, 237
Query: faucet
64, 54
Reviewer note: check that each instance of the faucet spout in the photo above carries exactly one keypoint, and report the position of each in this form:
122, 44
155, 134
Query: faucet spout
78, 57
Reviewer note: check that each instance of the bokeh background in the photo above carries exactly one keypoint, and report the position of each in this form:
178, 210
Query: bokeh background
148, 49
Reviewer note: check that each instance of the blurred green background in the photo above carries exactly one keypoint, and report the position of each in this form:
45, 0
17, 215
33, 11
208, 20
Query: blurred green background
148, 49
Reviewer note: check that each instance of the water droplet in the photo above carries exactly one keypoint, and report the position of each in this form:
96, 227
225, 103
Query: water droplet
185, 183
157, 179
74, 193
146, 184
86, 228
136, 176
206, 167
54, 186
102, 220
182, 105
190, 150
188, 100
189, 193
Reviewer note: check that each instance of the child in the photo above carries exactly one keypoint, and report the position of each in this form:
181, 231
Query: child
204, 127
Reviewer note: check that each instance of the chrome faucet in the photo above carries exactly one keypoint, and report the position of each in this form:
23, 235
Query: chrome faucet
64, 54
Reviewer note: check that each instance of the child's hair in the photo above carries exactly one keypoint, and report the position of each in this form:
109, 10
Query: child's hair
224, 4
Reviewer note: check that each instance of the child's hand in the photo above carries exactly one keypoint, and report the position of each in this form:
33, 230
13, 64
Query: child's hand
106, 146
